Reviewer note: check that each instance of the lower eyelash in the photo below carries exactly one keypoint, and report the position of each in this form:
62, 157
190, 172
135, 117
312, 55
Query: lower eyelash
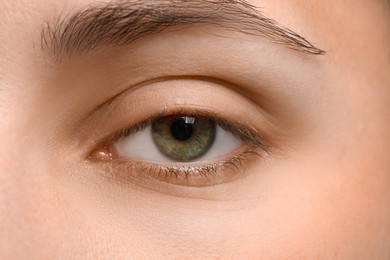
201, 175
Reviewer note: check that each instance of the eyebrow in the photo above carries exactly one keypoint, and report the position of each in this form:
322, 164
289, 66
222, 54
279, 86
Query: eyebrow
120, 23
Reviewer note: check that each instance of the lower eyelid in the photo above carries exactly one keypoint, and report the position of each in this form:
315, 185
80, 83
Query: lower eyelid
199, 175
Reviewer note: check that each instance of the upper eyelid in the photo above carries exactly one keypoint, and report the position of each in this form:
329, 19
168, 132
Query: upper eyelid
113, 100
88, 29
263, 127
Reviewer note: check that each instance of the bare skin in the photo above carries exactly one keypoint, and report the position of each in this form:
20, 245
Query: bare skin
321, 191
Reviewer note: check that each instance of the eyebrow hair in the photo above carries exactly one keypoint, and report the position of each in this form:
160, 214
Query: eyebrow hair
122, 22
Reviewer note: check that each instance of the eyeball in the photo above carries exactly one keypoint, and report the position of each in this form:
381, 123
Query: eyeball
179, 139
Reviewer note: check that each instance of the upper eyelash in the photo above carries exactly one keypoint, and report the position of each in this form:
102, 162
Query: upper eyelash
247, 135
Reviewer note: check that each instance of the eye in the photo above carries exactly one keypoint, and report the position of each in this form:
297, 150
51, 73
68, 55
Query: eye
180, 139
187, 149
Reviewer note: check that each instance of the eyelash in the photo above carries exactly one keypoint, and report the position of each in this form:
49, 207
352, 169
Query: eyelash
253, 145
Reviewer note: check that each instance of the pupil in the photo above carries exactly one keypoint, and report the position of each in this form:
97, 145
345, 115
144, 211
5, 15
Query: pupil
181, 130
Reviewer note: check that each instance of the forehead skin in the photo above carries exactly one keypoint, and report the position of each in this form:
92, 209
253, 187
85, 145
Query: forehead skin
338, 211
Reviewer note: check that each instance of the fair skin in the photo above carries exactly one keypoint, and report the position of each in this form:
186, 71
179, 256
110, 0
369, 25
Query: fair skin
321, 191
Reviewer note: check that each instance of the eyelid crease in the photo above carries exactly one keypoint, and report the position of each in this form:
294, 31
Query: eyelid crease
155, 80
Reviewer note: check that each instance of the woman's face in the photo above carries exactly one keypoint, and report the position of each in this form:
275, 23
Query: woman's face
195, 129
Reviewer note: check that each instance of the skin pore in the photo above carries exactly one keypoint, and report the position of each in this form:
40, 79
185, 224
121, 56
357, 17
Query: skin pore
318, 191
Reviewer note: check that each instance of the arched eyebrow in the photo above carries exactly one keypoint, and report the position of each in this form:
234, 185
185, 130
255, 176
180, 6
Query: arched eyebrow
120, 23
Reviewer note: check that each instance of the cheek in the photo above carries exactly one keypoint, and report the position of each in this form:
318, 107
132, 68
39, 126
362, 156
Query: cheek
317, 205
333, 197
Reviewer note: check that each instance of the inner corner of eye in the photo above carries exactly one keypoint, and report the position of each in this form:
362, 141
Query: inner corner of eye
178, 139
102, 153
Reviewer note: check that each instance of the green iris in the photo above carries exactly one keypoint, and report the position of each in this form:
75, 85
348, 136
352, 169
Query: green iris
183, 139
